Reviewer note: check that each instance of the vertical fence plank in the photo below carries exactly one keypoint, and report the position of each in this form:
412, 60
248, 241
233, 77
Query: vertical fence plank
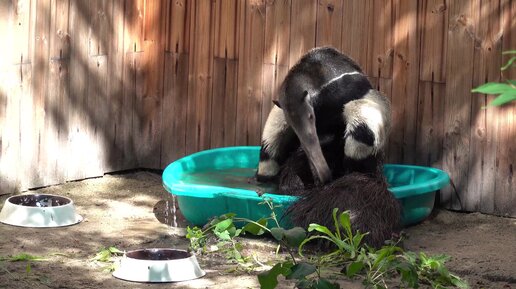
199, 100
356, 28
95, 106
488, 44
78, 138
302, 28
175, 94
380, 38
231, 101
28, 141
40, 84
405, 81
9, 176
56, 101
223, 111
113, 143
20, 29
433, 16
248, 126
134, 18
11, 91
225, 22
100, 32
277, 32
254, 72
27, 123
5, 33
176, 27
276, 55
505, 196
329, 23
457, 116
125, 129
149, 102
430, 114
174, 103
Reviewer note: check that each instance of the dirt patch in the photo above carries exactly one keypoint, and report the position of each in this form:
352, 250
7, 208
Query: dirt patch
125, 211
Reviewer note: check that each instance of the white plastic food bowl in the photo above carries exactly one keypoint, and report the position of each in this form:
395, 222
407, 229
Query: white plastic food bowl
158, 265
39, 211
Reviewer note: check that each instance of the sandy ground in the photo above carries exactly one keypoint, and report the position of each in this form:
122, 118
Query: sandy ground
125, 211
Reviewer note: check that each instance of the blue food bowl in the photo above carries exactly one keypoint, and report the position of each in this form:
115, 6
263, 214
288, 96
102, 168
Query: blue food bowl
217, 181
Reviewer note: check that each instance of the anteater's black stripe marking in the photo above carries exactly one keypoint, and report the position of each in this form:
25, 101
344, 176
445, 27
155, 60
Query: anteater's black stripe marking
363, 134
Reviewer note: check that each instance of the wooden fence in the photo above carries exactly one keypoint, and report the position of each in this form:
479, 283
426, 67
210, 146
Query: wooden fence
89, 87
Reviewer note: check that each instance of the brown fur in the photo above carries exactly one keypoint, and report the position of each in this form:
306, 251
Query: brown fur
373, 208
364, 193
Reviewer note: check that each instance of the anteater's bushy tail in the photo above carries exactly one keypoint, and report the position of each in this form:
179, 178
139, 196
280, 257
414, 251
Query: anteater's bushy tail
361, 190
372, 207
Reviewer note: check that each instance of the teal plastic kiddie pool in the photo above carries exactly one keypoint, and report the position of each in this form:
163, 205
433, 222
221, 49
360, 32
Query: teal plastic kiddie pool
214, 182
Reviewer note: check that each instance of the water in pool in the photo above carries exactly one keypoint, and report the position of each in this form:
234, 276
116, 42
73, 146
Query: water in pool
240, 178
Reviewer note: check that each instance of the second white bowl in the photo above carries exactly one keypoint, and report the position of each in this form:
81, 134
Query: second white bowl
39, 211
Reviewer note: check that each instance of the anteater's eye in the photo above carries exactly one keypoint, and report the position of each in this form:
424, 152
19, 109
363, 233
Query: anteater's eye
310, 116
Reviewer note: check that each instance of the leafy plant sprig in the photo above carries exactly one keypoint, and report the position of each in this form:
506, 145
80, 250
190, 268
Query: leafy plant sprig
108, 256
353, 259
506, 91
23, 257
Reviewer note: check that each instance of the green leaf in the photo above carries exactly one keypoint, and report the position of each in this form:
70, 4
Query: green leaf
269, 279
114, 250
24, 257
28, 268
295, 236
301, 270
223, 235
408, 274
336, 223
254, 228
493, 88
357, 239
223, 225
509, 63
233, 232
353, 268
345, 220
300, 249
504, 98
457, 282
320, 229
278, 233
509, 52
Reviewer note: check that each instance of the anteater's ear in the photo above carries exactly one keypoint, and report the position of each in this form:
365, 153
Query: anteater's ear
276, 103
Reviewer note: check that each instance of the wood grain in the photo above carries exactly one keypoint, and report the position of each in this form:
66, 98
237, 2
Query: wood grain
356, 28
488, 48
303, 23
199, 83
505, 186
433, 16
430, 115
329, 23
248, 118
404, 81
457, 105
